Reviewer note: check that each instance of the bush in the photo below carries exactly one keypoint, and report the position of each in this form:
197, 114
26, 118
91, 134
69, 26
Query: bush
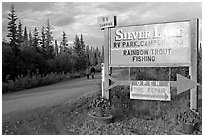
28, 81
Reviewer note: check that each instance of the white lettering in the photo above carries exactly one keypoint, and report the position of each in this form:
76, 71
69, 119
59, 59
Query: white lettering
156, 33
119, 35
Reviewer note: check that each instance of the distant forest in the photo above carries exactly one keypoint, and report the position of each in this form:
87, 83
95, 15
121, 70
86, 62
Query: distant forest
36, 52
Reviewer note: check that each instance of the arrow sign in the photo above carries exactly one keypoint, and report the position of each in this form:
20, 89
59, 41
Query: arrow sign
152, 97
184, 84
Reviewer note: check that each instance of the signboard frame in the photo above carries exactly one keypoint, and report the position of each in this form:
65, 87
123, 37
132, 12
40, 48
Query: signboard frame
193, 43
155, 64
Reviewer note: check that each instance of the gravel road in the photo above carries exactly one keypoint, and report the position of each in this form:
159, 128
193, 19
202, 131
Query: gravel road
48, 95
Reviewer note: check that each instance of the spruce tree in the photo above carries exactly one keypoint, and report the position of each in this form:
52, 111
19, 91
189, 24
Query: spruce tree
30, 40
12, 31
43, 41
80, 51
35, 43
25, 35
19, 33
82, 41
87, 56
64, 42
56, 48
48, 41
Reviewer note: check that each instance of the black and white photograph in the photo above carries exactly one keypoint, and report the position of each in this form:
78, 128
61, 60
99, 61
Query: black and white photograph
101, 68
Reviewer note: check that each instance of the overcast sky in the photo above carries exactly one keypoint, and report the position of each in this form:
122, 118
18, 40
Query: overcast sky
76, 18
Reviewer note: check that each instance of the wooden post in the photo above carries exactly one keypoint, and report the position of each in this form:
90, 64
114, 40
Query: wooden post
105, 94
194, 68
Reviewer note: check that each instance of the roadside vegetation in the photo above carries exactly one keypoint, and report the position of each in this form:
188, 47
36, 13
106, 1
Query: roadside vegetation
131, 117
27, 82
32, 58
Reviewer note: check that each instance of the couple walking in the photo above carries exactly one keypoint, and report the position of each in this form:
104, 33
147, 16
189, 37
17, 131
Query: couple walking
90, 71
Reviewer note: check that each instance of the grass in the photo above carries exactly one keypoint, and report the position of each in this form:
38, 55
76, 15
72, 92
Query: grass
138, 117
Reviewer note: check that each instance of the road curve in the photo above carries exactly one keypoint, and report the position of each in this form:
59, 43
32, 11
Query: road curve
48, 95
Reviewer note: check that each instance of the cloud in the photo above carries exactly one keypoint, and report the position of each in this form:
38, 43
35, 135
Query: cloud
23, 6
82, 17
119, 6
64, 21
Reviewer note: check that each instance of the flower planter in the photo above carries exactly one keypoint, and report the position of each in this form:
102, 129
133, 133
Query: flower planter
103, 120
198, 125
98, 112
188, 128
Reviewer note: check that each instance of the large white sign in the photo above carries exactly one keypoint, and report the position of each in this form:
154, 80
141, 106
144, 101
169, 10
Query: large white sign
166, 44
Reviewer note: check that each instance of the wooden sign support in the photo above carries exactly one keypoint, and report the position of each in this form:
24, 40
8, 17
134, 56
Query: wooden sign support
105, 93
193, 67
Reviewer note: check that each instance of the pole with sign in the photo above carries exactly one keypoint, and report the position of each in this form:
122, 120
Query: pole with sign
105, 22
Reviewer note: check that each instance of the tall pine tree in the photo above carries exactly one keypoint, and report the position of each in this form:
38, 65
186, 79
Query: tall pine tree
36, 39
80, 51
12, 31
43, 42
25, 36
30, 38
64, 42
48, 41
56, 48
19, 34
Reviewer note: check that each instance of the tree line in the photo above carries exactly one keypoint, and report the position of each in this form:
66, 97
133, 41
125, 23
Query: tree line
37, 52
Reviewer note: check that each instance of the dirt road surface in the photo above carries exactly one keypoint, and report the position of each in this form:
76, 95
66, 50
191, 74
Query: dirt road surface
48, 95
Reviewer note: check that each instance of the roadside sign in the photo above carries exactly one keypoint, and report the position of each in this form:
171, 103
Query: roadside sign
184, 84
106, 21
150, 90
165, 44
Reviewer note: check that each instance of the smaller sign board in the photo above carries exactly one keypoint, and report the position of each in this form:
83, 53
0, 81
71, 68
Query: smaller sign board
150, 90
106, 21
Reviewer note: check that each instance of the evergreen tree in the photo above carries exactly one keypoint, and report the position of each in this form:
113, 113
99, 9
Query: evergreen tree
48, 41
20, 33
36, 39
77, 45
42, 41
56, 48
64, 42
87, 56
30, 40
25, 36
80, 51
82, 41
12, 31
98, 56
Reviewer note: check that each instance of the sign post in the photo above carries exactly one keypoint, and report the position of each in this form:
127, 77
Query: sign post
106, 63
193, 67
105, 22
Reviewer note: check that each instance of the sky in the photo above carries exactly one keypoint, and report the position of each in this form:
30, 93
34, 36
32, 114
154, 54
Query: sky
76, 18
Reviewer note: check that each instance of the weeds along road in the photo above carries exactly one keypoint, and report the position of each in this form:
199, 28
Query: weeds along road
49, 95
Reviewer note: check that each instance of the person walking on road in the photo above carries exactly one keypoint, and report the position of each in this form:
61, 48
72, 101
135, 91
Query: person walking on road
87, 73
92, 72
